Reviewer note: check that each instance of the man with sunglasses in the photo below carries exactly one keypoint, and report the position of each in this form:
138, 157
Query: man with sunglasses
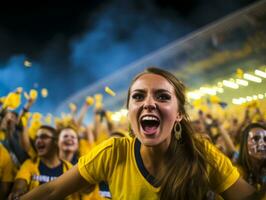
44, 168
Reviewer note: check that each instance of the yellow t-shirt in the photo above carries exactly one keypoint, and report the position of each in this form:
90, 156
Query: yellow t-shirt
7, 167
117, 161
2, 136
84, 147
29, 171
221, 173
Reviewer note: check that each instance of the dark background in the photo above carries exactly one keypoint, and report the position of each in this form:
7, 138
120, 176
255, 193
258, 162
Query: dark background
73, 44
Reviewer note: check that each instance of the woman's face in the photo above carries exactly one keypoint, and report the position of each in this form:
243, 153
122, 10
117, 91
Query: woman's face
257, 143
153, 109
68, 140
9, 121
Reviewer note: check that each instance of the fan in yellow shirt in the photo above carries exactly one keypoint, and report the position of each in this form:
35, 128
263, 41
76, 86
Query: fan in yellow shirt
123, 164
46, 167
7, 172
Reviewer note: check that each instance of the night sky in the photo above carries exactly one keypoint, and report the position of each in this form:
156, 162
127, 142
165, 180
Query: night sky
72, 45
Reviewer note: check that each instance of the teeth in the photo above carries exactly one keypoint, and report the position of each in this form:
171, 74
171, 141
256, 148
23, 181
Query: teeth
150, 118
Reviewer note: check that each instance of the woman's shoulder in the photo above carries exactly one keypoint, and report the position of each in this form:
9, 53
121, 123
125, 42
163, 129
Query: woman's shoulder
210, 152
112, 145
120, 144
30, 165
203, 142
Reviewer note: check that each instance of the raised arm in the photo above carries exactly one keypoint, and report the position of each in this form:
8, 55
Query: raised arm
68, 183
24, 140
228, 141
82, 113
26, 108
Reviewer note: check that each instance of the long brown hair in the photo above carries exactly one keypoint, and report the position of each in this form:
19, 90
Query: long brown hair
184, 175
244, 159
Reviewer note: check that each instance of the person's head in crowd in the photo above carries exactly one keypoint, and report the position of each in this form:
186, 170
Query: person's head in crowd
46, 141
252, 145
198, 126
68, 140
156, 110
8, 121
252, 155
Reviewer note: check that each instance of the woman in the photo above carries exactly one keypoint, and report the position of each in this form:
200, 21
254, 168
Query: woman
68, 145
162, 161
252, 155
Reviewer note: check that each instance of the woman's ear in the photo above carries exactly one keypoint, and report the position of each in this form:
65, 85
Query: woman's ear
179, 117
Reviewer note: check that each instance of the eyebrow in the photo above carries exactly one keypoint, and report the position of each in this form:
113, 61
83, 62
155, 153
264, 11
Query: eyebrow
139, 90
157, 90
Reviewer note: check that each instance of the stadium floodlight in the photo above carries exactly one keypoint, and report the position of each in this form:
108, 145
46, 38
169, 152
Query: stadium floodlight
253, 78
242, 82
260, 73
230, 84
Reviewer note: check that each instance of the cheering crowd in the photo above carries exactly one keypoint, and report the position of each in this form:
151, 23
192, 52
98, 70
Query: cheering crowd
164, 154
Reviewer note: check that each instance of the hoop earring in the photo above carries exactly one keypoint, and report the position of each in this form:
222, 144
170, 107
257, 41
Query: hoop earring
178, 131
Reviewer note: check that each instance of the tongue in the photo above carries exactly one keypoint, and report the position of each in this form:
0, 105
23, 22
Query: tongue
150, 129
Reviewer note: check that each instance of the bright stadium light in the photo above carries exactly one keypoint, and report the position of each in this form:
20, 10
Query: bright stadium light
230, 84
255, 97
260, 73
252, 78
194, 95
249, 98
260, 96
242, 82
236, 101
207, 90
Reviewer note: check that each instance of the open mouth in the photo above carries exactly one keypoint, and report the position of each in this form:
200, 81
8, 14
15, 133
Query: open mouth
40, 147
149, 124
69, 143
261, 150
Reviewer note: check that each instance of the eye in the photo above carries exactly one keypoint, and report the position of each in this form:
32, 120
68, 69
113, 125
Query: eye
138, 96
256, 138
163, 97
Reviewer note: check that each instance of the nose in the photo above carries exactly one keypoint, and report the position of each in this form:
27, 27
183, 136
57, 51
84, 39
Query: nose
262, 141
149, 104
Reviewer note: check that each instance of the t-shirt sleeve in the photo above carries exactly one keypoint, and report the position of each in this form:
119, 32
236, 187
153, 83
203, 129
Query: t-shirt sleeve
222, 174
96, 165
25, 171
9, 170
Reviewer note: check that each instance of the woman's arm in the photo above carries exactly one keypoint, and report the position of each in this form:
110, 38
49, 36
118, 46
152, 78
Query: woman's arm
240, 190
68, 183
20, 187
24, 139
228, 141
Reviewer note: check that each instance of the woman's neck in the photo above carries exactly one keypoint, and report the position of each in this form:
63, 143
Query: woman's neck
257, 165
153, 158
66, 155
